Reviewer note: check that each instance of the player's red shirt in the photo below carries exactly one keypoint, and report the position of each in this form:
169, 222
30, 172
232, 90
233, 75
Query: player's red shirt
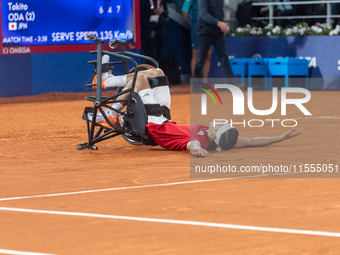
173, 136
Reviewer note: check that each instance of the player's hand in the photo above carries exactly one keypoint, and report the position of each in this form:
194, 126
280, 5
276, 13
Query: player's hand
223, 26
199, 152
159, 10
290, 134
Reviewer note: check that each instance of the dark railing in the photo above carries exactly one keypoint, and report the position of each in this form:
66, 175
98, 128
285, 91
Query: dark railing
271, 17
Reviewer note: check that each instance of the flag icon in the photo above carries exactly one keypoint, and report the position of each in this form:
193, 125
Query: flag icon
12, 26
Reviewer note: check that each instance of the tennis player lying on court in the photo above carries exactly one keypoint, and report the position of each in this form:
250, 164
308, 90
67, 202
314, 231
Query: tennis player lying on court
197, 139
225, 137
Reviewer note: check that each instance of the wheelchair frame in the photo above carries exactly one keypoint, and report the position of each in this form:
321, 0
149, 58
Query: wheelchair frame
132, 121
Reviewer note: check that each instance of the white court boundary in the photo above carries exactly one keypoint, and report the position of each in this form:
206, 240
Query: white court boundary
334, 117
131, 187
11, 252
178, 222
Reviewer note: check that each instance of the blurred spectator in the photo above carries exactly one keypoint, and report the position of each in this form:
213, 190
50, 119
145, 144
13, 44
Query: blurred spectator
279, 10
304, 10
211, 31
283, 10
154, 14
190, 13
260, 12
319, 9
335, 8
244, 13
287, 10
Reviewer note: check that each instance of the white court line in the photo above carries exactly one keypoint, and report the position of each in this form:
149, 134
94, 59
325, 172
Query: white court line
179, 222
126, 188
335, 117
2, 251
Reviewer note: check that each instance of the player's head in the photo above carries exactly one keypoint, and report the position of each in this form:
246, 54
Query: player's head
226, 137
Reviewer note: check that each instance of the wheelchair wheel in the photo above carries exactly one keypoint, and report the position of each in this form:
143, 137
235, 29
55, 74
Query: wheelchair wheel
142, 67
134, 140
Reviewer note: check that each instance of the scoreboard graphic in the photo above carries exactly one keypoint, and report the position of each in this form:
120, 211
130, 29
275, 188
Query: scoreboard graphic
26, 24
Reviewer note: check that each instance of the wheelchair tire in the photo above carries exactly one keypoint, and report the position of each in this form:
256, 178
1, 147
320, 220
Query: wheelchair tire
134, 140
142, 67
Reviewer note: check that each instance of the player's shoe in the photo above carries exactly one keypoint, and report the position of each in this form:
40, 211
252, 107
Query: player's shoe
94, 80
100, 120
107, 71
112, 119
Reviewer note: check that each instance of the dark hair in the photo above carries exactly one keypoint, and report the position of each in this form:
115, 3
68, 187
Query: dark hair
228, 139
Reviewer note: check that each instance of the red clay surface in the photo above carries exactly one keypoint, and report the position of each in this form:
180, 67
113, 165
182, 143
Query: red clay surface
38, 156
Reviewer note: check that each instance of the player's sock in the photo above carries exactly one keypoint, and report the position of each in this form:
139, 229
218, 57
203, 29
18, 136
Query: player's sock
117, 106
115, 81
105, 59
109, 79
106, 69
153, 108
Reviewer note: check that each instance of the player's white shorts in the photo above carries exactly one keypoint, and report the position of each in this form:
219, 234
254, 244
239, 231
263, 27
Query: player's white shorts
162, 95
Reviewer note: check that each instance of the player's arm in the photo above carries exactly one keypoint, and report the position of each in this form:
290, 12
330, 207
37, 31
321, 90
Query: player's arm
195, 149
263, 141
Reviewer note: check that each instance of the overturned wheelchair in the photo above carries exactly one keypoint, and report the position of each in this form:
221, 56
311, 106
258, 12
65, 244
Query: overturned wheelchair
134, 116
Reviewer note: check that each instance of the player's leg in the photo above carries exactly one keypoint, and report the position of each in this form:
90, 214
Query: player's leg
151, 73
153, 98
141, 84
110, 80
142, 87
122, 80
161, 92
153, 107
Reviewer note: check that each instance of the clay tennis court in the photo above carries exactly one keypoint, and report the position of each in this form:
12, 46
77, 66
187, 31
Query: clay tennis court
125, 199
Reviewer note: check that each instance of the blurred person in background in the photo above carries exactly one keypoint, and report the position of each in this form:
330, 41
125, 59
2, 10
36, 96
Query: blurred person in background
335, 8
153, 15
190, 13
260, 12
279, 10
212, 31
304, 10
283, 10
